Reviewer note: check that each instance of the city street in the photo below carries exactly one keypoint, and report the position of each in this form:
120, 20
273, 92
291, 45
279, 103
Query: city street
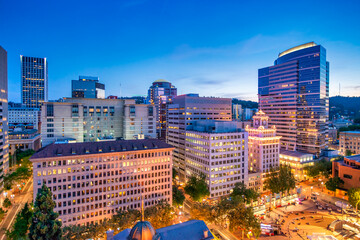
17, 203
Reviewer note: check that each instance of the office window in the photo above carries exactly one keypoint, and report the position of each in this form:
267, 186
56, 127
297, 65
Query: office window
50, 110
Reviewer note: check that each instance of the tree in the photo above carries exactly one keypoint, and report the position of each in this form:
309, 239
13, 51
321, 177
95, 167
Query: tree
21, 226
201, 211
178, 197
320, 168
348, 152
280, 180
197, 188
125, 218
240, 191
44, 223
333, 183
7, 203
243, 218
160, 215
354, 197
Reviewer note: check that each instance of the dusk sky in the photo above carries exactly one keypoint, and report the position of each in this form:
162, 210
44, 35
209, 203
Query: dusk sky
213, 48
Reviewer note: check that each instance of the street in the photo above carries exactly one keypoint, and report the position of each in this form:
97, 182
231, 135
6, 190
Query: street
17, 204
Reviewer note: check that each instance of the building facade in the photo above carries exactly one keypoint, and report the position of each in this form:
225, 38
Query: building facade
24, 139
139, 121
92, 181
264, 146
94, 119
24, 117
295, 94
4, 138
349, 141
34, 81
348, 170
160, 94
87, 87
60, 121
183, 112
297, 162
217, 150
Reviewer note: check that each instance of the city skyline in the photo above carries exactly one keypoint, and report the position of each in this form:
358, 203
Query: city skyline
208, 52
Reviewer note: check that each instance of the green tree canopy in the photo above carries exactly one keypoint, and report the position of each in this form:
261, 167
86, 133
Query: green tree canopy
44, 223
333, 183
280, 180
197, 188
320, 168
21, 225
240, 191
348, 152
354, 197
160, 215
7, 203
178, 197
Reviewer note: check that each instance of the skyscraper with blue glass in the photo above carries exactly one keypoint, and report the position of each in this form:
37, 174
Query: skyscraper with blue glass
295, 94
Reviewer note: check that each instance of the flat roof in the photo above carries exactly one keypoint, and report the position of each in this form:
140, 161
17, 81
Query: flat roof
354, 157
85, 148
294, 153
352, 132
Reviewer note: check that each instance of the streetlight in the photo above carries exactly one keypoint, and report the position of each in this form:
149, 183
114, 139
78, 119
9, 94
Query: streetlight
322, 186
311, 190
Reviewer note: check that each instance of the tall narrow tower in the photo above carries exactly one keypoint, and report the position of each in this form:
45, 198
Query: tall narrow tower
34, 81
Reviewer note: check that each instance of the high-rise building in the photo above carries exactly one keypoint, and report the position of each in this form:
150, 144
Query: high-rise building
92, 181
217, 150
4, 143
294, 93
160, 94
349, 142
183, 112
87, 87
264, 146
139, 121
94, 119
28, 118
34, 81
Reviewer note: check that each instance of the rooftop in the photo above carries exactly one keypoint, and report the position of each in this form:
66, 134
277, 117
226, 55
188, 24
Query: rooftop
294, 153
351, 132
297, 48
25, 131
84, 148
354, 157
161, 80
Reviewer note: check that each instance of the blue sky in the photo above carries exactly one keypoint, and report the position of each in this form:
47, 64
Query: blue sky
210, 47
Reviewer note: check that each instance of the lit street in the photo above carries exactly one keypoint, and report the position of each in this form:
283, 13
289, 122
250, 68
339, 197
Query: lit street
17, 203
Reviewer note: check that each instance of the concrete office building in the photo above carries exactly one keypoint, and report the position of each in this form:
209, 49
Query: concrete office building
34, 81
237, 112
348, 170
139, 121
349, 140
295, 94
92, 181
4, 138
87, 87
217, 150
183, 112
93, 119
24, 139
264, 145
297, 162
160, 94
24, 117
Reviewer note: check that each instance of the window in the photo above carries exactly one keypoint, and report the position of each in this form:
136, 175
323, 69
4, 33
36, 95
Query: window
75, 110
49, 110
50, 135
132, 110
347, 176
112, 111
151, 111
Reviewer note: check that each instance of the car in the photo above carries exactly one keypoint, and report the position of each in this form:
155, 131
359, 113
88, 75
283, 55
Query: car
329, 208
320, 207
303, 218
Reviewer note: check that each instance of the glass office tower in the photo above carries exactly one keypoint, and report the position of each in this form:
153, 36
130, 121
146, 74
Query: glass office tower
34, 81
295, 94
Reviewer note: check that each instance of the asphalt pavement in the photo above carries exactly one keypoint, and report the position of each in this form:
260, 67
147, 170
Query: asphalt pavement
17, 204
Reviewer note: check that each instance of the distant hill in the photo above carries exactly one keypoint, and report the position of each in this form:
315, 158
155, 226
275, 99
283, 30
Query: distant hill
244, 103
344, 106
